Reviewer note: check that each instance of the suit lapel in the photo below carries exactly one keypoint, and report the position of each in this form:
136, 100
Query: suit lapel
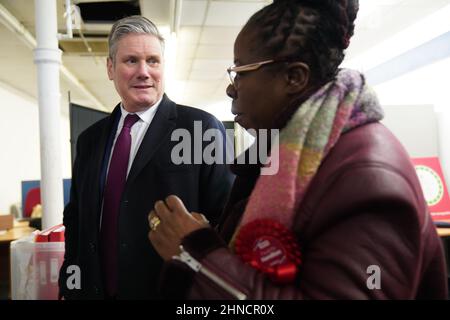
162, 125
101, 161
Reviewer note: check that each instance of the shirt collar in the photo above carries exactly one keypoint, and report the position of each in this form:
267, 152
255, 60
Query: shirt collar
146, 115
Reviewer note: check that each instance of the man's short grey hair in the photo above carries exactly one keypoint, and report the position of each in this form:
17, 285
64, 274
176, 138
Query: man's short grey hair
135, 25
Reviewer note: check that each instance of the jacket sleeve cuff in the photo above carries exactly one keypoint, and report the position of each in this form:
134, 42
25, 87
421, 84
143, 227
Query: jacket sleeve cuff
201, 242
176, 280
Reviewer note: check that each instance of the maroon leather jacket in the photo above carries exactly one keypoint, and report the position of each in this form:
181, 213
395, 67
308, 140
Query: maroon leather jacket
363, 208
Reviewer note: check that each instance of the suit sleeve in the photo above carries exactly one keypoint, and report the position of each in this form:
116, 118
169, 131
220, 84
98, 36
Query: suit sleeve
70, 221
368, 248
216, 178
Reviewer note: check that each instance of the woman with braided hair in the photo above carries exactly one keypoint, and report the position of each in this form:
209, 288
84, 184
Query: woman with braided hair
343, 218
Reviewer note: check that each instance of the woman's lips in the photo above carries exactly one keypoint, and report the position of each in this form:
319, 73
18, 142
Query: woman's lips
238, 118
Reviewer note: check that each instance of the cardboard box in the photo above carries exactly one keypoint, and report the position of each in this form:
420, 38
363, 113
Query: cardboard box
6, 221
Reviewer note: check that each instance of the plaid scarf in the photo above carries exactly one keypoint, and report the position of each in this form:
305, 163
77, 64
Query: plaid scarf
340, 105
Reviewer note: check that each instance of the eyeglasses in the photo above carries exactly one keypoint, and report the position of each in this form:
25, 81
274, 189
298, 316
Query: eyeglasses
234, 70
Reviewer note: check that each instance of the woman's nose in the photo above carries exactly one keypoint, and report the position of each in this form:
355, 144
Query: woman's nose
231, 91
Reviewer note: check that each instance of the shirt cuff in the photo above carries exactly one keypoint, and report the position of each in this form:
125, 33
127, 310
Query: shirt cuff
201, 242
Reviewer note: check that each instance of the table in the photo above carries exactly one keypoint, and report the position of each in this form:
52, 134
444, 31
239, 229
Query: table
444, 232
19, 230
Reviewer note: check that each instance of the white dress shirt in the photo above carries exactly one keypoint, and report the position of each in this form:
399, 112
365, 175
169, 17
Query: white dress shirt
138, 131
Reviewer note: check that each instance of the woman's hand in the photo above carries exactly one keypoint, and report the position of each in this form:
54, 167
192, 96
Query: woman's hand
169, 223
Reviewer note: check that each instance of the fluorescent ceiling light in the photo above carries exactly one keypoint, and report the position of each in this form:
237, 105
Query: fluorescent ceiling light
419, 33
367, 7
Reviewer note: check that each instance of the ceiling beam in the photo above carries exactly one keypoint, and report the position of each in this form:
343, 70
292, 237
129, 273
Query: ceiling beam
430, 52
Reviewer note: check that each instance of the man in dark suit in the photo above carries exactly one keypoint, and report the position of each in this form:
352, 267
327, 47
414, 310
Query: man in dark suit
123, 165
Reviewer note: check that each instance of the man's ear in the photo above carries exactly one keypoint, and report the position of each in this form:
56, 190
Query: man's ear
110, 67
297, 77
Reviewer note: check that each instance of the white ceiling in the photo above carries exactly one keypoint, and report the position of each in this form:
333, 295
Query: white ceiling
205, 39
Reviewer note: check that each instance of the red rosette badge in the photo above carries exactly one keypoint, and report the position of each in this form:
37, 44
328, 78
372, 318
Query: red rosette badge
271, 248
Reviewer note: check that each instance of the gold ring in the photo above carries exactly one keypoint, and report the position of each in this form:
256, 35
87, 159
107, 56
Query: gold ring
154, 222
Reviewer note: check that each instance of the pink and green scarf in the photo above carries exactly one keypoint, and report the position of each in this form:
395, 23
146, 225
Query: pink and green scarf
340, 105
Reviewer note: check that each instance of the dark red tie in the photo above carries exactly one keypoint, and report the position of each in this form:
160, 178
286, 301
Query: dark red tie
115, 183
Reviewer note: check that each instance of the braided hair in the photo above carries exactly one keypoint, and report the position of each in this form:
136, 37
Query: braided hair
313, 31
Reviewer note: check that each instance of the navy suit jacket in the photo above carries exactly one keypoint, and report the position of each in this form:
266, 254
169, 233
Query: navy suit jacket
153, 176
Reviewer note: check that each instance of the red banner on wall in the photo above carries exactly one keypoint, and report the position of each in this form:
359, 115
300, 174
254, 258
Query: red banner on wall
434, 187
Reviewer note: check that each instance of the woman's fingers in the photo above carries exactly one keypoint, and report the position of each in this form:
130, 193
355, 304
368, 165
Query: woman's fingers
175, 204
173, 213
169, 223
153, 220
151, 215
199, 217
161, 210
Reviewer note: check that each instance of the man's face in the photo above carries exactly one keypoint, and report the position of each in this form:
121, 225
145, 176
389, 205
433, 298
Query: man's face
137, 71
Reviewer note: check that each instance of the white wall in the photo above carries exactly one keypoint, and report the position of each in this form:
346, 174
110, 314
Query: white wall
427, 127
416, 127
19, 143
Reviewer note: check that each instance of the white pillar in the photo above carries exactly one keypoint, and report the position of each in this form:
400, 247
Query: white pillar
47, 57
